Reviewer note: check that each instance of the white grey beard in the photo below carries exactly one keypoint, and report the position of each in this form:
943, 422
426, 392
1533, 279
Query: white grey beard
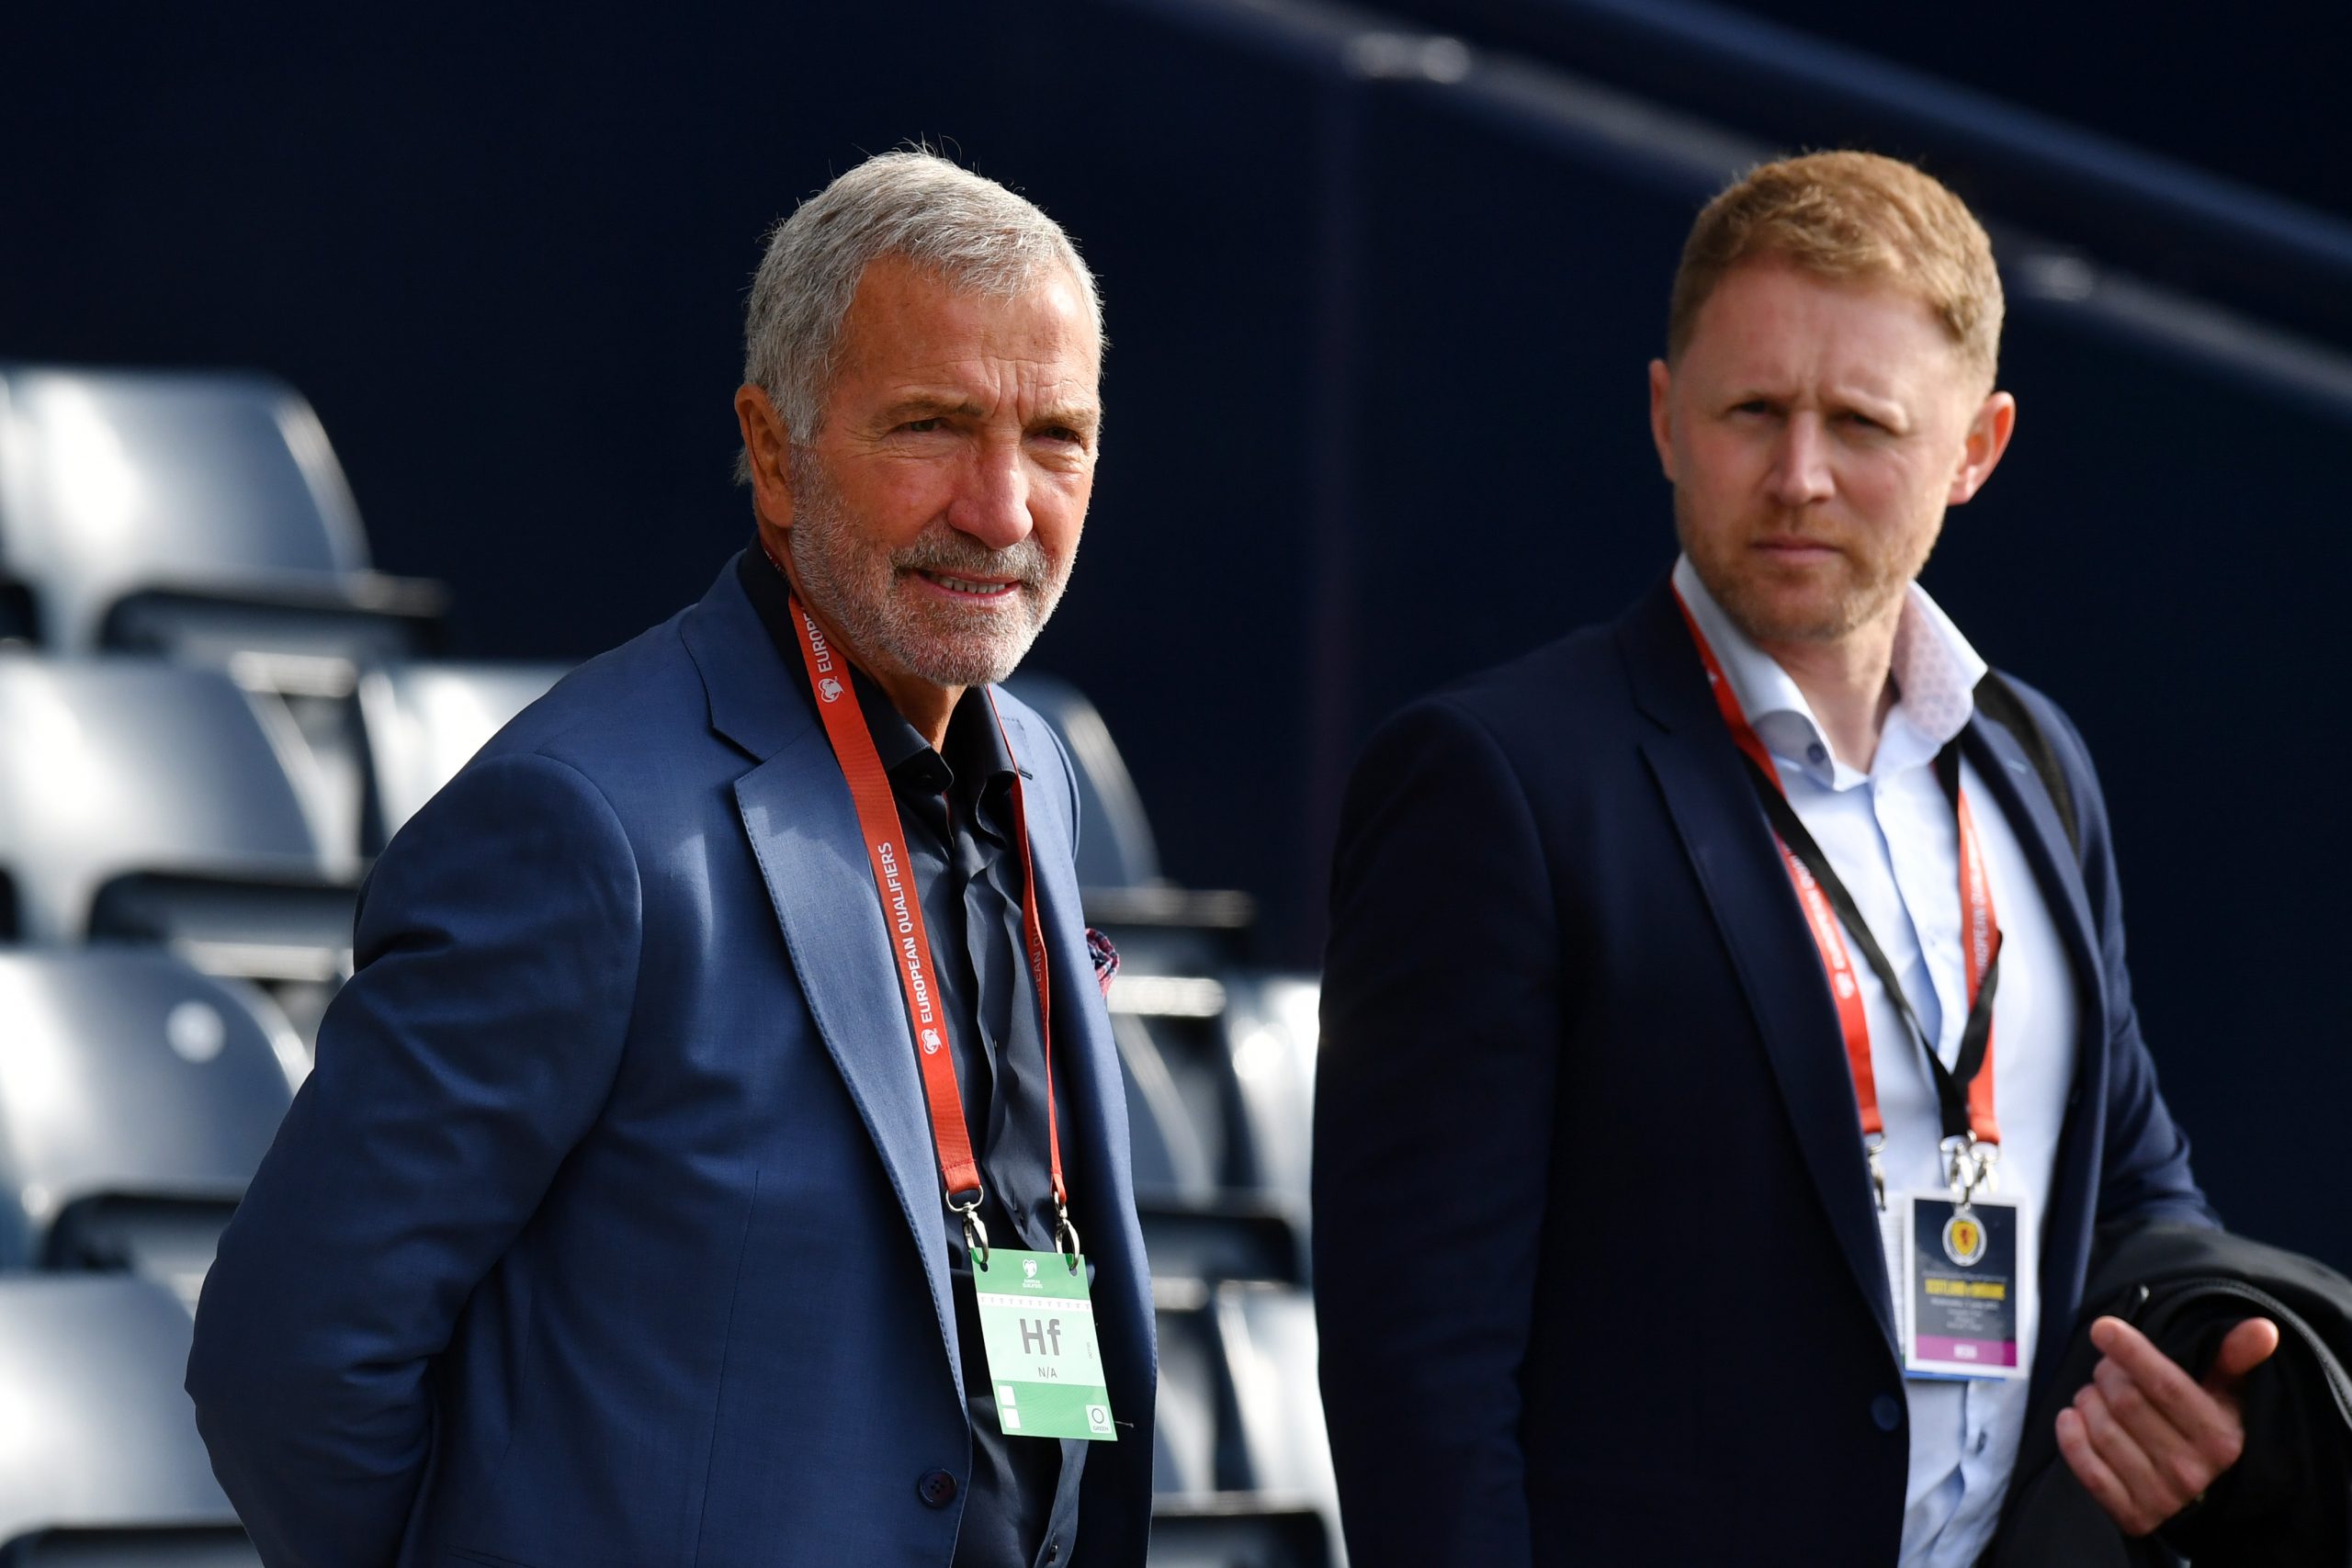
854, 586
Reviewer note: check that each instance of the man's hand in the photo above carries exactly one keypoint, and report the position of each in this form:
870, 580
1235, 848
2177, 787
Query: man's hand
2143, 1437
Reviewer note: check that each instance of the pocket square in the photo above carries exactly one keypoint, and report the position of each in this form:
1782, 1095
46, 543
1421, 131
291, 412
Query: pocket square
1105, 956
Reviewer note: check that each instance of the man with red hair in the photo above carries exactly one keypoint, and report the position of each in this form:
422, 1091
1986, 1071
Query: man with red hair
1734, 999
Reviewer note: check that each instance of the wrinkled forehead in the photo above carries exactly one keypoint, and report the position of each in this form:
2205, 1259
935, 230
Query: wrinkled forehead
903, 313
1774, 322
916, 345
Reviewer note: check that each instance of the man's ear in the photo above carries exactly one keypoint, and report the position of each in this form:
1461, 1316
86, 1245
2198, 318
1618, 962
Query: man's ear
1988, 437
1662, 414
768, 450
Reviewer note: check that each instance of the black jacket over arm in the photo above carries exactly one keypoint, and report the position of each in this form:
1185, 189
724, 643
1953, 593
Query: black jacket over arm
2288, 1501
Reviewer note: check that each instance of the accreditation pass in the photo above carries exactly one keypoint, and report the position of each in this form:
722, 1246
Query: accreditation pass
1967, 1273
1038, 1327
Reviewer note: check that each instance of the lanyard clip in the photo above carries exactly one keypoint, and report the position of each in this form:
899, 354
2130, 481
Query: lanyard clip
976, 1229
1968, 1164
1066, 1235
1874, 1149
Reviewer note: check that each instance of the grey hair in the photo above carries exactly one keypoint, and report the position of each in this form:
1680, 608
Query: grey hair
974, 233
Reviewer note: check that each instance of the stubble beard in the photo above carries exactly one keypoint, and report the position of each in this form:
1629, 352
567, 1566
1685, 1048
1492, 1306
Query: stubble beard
857, 587
1866, 583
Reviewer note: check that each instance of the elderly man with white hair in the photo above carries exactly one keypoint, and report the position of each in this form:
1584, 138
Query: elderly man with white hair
694, 1170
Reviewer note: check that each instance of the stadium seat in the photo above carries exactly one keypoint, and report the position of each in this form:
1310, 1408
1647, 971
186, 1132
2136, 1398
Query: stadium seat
202, 517
1269, 1340
1241, 1476
199, 513
1170, 1155
137, 1097
147, 801
100, 1466
1238, 1532
1115, 847
1271, 1029
1218, 1062
1221, 1087
421, 722
1188, 1412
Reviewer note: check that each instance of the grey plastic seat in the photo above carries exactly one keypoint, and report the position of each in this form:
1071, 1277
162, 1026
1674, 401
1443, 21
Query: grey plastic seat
423, 721
1187, 1411
1238, 1531
1271, 1353
148, 801
1115, 849
1242, 1475
1221, 1080
201, 517
1271, 1029
1161, 929
100, 1465
137, 1097
174, 509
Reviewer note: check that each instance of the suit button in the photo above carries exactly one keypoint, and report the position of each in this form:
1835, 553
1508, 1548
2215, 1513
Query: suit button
937, 1488
1886, 1410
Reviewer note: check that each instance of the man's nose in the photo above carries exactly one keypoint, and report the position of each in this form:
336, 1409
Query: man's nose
992, 502
1800, 474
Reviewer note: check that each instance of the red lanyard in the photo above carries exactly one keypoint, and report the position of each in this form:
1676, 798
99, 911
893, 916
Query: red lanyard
877, 819
1980, 930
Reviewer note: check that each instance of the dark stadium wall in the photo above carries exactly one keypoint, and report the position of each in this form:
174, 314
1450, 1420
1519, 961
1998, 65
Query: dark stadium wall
1375, 416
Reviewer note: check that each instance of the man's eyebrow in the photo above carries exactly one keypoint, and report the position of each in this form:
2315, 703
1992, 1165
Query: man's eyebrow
931, 405
1083, 416
1078, 416
1878, 406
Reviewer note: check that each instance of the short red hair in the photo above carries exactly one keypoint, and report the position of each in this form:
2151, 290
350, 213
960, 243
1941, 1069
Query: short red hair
1849, 216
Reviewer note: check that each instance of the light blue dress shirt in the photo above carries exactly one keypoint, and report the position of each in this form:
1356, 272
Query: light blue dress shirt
1889, 834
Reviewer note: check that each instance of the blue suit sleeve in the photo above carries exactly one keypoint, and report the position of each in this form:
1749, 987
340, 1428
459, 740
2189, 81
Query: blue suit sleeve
2144, 1166
1433, 1124
497, 949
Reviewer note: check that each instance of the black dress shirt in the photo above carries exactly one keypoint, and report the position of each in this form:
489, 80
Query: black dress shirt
955, 813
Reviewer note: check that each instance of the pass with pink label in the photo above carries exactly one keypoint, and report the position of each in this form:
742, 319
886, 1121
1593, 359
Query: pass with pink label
1967, 1274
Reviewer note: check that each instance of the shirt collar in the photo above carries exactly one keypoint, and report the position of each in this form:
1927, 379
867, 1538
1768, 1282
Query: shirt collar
1936, 671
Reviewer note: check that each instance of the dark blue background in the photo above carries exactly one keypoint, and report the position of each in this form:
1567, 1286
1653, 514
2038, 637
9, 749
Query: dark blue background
1375, 395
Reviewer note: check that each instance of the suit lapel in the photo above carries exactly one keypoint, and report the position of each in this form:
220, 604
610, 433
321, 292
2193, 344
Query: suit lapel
2071, 1205
1730, 848
803, 830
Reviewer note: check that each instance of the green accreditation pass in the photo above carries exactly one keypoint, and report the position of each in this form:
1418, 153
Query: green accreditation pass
1039, 1330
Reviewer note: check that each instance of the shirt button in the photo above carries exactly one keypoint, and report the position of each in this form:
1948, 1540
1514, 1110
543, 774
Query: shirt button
1984, 1437
1887, 1411
1816, 752
1053, 1549
937, 1488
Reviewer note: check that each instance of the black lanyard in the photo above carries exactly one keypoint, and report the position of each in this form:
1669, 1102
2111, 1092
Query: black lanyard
1952, 1083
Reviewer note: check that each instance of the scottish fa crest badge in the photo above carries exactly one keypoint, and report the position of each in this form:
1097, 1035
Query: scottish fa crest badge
1964, 1239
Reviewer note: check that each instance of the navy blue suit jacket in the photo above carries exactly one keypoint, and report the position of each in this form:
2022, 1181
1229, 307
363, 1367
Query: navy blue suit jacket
607, 1232
1596, 1260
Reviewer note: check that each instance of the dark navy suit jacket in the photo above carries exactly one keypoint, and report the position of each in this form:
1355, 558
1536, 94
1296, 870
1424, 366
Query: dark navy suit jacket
1596, 1260
607, 1231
